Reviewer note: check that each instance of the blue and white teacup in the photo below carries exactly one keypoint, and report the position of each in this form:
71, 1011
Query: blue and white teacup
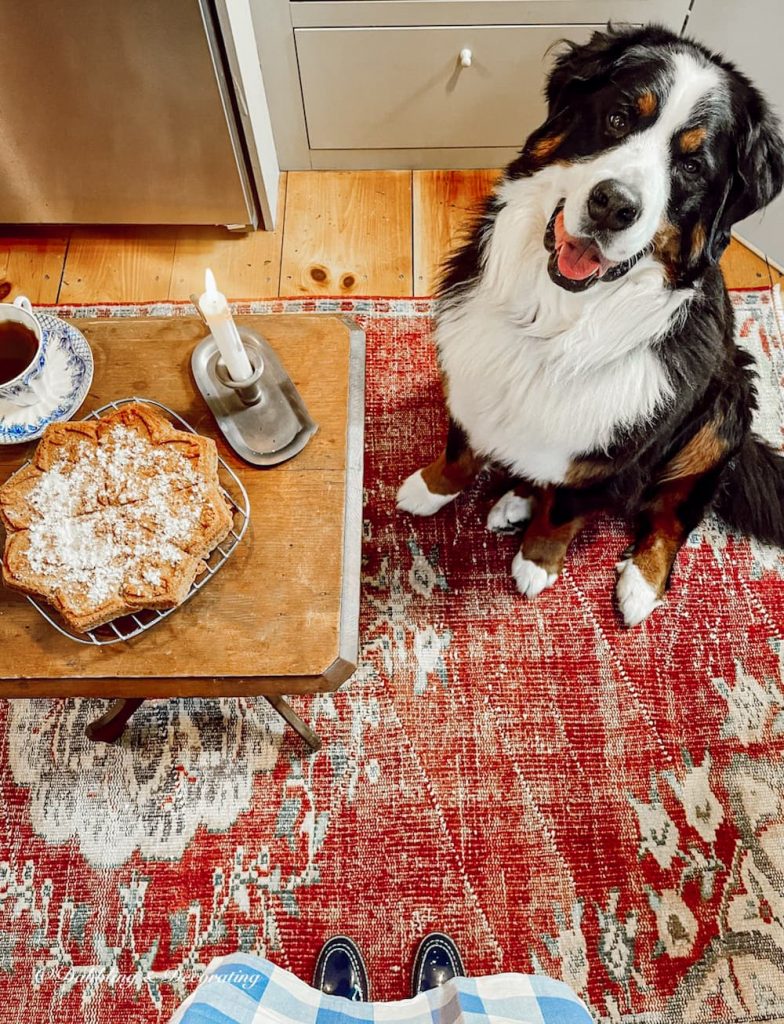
27, 387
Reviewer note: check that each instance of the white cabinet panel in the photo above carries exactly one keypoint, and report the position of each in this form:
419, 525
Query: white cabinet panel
405, 88
370, 83
352, 13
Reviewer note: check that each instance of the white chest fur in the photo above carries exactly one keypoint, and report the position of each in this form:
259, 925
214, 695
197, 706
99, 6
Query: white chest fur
538, 376
517, 409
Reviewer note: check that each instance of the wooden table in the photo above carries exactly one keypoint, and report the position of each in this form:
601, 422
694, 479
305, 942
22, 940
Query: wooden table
281, 616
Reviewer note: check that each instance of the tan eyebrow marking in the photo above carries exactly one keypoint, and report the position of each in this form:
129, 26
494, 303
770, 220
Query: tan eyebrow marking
545, 148
691, 140
647, 103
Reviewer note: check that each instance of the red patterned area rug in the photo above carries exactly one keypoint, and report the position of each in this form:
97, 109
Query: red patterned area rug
559, 793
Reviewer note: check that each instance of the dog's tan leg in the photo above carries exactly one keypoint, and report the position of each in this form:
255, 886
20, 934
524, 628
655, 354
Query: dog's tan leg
429, 489
673, 508
538, 563
671, 514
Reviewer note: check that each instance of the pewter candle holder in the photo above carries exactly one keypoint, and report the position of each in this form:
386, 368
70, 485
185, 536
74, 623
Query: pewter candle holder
263, 418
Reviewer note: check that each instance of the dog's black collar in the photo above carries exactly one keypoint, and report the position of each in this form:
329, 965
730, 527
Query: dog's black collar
613, 274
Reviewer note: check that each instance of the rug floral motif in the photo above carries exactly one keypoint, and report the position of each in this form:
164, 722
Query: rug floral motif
561, 794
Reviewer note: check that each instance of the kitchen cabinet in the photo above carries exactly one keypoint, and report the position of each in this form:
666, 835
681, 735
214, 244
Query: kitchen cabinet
418, 83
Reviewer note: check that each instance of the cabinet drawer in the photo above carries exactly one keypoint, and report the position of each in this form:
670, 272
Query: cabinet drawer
404, 88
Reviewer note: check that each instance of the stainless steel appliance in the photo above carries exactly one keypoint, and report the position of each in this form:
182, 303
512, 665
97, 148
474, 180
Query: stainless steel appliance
123, 111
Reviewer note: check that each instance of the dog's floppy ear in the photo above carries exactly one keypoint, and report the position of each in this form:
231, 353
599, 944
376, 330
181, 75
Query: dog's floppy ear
576, 64
758, 175
577, 69
574, 67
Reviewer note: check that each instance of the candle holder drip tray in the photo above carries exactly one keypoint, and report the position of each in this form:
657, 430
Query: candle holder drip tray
264, 419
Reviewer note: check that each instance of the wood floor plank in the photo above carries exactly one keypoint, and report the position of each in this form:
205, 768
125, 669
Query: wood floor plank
120, 264
246, 266
742, 268
31, 262
341, 233
347, 233
445, 203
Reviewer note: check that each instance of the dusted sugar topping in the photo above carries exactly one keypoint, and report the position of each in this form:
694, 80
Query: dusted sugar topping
117, 512
113, 515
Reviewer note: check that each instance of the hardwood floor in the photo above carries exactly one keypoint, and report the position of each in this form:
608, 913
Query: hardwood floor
339, 233
346, 233
444, 205
32, 261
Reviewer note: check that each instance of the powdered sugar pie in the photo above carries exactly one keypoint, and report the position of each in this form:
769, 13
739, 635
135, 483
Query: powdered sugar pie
112, 516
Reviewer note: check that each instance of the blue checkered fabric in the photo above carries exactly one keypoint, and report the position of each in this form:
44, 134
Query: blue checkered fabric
242, 989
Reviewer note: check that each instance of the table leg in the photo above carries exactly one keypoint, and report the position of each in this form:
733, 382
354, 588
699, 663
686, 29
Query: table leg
110, 726
290, 715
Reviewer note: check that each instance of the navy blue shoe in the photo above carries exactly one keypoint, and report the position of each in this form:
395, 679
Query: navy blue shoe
437, 960
340, 970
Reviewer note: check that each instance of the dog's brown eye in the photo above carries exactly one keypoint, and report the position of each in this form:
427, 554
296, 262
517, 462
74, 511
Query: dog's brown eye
692, 167
617, 122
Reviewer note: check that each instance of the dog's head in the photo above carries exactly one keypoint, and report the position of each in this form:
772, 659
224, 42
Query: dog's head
660, 147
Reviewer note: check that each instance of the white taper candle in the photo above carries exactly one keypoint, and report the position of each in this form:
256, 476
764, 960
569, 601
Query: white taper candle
216, 312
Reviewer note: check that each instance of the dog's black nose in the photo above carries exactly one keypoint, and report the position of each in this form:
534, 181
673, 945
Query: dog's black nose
613, 206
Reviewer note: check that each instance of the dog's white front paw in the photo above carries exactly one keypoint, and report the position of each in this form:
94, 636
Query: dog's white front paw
636, 597
509, 513
531, 579
414, 497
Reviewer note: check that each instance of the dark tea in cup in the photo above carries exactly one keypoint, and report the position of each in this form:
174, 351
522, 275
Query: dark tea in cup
18, 348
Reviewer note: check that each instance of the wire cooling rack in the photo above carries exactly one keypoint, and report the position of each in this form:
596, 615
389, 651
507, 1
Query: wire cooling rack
129, 626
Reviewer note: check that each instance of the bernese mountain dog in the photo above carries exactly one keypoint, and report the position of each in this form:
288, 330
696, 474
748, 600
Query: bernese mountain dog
585, 336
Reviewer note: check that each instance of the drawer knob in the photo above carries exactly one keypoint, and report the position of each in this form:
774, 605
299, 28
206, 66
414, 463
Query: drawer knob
466, 57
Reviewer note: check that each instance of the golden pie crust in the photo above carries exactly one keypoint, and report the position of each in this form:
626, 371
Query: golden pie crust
112, 516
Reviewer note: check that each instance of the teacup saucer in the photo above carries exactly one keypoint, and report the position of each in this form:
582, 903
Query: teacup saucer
66, 379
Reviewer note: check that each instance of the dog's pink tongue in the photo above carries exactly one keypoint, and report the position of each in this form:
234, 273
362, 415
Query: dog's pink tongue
577, 258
